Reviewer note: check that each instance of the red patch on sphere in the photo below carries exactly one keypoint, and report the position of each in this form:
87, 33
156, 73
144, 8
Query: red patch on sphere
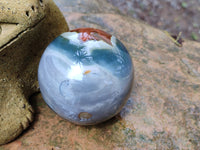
86, 34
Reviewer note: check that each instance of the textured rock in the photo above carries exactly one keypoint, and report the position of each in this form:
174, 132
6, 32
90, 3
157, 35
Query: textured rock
163, 110
27, 27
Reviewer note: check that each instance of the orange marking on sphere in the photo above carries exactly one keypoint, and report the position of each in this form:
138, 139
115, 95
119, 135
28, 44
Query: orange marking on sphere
93, 34
87, 71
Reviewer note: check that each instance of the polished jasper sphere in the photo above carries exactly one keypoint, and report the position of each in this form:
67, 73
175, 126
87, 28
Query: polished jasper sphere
85, 76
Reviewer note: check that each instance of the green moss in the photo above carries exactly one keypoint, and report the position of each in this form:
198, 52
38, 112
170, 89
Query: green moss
194, 36
139, 109
148, 46
131, 12
173, 49
184, 5
196, 87
164, 140
151, 47
194, 58
148, 121
145, 61
108, 132
157, 133
194, 138
143, 138
25, 143
130, 139
41, 104
78, 146
171, 106
57, 141
174, 80
190, 56
160, 62
129, 133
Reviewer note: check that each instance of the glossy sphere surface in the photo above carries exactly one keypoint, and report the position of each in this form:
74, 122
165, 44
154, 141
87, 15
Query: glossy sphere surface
85, 76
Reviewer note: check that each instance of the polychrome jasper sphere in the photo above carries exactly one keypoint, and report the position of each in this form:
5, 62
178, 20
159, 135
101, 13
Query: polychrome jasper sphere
85, 76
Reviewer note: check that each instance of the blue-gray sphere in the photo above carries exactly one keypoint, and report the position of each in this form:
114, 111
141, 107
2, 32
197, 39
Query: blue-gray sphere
86, 76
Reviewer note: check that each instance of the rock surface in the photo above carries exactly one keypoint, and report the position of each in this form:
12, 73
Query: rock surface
27, 27
163, 111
